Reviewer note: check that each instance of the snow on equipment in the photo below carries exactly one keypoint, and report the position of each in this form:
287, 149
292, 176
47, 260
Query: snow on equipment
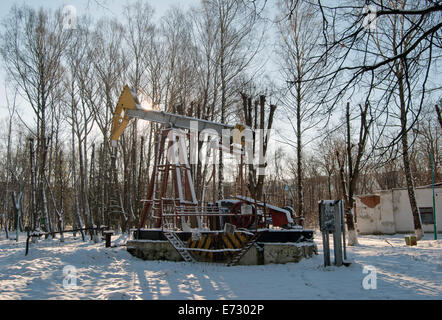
221, 231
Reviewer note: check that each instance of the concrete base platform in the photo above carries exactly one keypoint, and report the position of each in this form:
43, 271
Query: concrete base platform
273, 246
270, 253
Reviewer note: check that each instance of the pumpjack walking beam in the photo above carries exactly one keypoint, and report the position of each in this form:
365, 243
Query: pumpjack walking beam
129, 107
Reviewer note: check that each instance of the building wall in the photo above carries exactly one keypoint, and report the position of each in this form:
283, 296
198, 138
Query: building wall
424, 198
374, 217
367, 214
386, 223
389, 212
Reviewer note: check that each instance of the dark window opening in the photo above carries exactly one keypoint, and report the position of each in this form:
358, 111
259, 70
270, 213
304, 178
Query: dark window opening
426, 215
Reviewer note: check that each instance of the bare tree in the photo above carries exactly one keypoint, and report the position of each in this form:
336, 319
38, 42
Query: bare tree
79, 117
32, 43
139, 32
426, 151
205, 34
238, 42
11, 109
398, 51
408, 75
347, 26
299, 50
103, 88
256, 120
354, 163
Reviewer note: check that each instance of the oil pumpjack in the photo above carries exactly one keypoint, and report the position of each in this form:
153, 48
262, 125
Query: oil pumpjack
221, 232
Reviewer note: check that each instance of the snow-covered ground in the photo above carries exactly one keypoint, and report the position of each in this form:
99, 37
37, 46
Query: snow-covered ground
402, 273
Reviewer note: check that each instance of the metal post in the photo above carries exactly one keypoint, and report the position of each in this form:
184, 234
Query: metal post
325, 234
434, 198
326, 248
337, 236
27, 241
108, 236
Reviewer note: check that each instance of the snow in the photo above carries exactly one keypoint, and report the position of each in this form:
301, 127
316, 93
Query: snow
112, 273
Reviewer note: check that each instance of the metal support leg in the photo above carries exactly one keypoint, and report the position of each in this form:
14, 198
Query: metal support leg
326, 248
337, 239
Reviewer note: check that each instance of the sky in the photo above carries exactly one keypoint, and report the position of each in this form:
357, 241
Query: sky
113, 8
96, 8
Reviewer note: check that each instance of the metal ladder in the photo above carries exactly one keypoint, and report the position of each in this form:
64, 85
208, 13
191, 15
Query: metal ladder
179, 246
244, 250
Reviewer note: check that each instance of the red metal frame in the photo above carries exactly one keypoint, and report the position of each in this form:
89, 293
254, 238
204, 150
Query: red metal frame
182, 186
185, 206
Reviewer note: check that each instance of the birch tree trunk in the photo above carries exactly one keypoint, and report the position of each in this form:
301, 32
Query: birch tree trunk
77, 213
417, 223
352, 173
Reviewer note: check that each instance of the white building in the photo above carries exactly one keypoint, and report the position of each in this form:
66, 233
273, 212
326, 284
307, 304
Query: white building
389, 212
